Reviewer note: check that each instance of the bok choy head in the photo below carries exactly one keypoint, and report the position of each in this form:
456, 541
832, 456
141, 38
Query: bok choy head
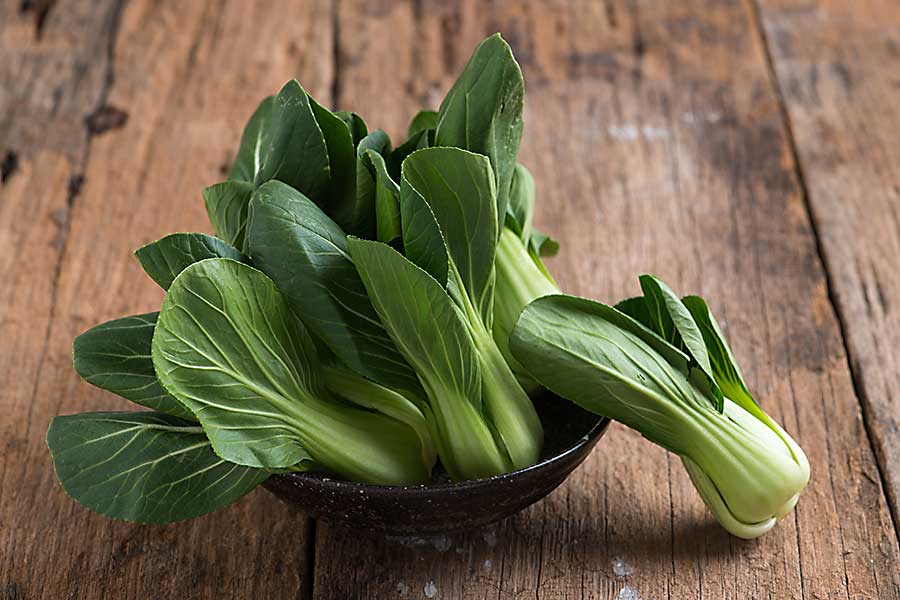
482, 113
436, 303
665, 370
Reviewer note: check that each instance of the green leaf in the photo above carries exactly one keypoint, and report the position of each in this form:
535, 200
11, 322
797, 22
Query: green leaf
520, 211
144, 467
115, 356
253, 142
542, 244
747, 470
297, 153
418, 141
359, 219
724, 367
387, 198
459, 187
342, 164
431, 332
306, 254
482, 112
424, 120
226, 205
637, 309
356, 125
165, 258
676, 324
423, 241
227, 346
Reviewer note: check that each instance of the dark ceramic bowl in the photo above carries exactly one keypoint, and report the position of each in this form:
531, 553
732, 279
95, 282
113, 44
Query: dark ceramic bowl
570, 433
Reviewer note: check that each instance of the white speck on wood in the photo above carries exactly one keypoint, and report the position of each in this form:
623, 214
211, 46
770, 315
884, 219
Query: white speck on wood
630, 132
621, 568
442, 543
488, 564
402, 589
623, 132
430, 590
626, 593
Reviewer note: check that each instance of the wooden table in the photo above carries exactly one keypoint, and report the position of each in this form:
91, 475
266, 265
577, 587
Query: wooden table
746, 151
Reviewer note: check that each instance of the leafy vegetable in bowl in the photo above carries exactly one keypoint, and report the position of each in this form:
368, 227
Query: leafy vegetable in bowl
356, 315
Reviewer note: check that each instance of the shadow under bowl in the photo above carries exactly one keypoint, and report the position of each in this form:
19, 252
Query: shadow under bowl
444, 506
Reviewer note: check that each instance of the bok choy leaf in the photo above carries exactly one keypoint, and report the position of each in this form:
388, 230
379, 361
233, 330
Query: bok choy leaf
144, 466
227, 347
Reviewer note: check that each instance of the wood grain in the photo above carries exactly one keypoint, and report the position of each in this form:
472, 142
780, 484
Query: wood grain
839, 68
655, 136
169, 85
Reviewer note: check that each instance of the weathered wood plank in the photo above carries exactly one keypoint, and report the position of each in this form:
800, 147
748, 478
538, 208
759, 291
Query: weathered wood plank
656, 139
838, 66
186, 75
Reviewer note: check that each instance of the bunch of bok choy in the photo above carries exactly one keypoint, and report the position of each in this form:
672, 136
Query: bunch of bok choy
341, 320
360, 313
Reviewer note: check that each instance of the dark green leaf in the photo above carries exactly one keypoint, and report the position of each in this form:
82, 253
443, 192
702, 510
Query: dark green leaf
297, 153
520, 211
417, 141
356, 125
423, 242
253, 142
482, 112
676, 324
459, 187
144, 467
542, 244
387, 199
306, 254
341, 160
165, 258
359, 218
724, 366
424, 120
226, 205
637, 309
115, 356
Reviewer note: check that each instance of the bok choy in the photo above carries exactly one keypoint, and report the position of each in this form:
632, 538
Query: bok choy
661, 366
482, 113
437, 305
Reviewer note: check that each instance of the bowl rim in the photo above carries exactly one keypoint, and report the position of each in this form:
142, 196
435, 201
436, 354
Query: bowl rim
589, 438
